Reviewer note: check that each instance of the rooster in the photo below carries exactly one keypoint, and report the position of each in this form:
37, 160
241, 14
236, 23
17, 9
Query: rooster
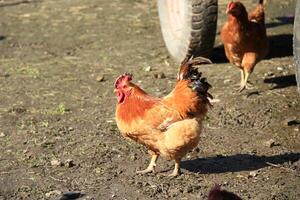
168, 126
244, 37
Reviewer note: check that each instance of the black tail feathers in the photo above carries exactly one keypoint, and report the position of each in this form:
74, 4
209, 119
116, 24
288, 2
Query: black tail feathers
188, 71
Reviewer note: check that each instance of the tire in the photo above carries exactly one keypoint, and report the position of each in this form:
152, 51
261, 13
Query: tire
296, 43
188, 27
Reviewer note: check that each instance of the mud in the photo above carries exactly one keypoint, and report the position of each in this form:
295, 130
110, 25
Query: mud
58, 62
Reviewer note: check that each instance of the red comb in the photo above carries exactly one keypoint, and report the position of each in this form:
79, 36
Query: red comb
230, 5
122, 78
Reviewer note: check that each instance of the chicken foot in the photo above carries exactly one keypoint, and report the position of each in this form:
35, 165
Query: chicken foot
151, 165
244, 81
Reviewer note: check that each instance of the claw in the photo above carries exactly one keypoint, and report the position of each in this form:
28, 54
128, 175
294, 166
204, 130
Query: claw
245, 86
176, 170
145, 171
151, 165
241, 88
174, 173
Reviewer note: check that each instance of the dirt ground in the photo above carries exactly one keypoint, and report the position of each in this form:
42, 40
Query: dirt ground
58, 136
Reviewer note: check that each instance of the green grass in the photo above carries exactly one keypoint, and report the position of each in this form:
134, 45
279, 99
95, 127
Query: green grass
61, 109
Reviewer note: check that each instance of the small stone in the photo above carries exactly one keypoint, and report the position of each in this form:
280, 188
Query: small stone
253, 174
71, 129
99, 170
69, 163
226, 81
270, 143
56, 162
133, 157
100, 78
166, 63
2, 135
160, 75
296, 129
148, 69
53, 192
269, 74
279, 68
189, 189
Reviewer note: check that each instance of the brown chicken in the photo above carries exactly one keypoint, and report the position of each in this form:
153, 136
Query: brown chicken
244, 37
168, 126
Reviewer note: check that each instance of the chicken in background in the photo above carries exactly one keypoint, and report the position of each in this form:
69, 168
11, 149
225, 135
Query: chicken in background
217, 194
244, 37
168, 126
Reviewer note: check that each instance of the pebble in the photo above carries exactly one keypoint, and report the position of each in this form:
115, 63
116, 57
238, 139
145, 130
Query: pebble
69, 163
56, 162
253, 174
100, 78
53, 192
160, 75
71, 129
269, 74
133, 157
227, 81
189, 189
148, 69
270, 143
2, 135
166, 63
279, 68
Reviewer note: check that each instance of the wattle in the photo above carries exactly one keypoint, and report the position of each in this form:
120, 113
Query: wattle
120, 97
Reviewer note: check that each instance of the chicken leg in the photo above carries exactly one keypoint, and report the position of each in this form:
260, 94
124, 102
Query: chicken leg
176, 170
151, 165
242, 87
244, 80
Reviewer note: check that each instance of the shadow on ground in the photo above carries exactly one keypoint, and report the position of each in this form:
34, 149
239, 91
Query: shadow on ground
282, 81
236, 163
280, 46
283, 20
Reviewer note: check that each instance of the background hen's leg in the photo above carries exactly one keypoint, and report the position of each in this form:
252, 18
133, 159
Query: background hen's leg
242, 86
247, 85
176, 170
151, 166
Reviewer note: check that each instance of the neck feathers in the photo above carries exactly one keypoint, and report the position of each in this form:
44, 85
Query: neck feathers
135, 106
